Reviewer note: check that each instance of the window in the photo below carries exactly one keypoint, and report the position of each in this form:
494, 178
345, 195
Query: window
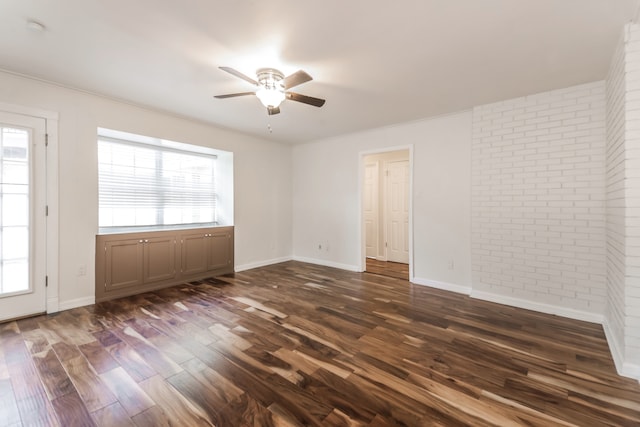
14, 209
148, 182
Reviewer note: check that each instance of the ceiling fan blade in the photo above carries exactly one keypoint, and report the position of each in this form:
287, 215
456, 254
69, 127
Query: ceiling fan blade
232, 95
239, 74
316, 102
273, 110
296, 79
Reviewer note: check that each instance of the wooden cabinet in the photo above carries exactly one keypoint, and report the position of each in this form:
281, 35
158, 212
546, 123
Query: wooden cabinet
131, 263
123, 264
194, 253
159, 259
208, 251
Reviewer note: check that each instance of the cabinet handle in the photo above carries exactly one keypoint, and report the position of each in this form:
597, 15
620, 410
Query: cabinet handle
140, 241
146, 241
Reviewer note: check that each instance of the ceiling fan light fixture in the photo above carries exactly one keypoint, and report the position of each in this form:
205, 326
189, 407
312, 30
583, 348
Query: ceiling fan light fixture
271, 92
270, 97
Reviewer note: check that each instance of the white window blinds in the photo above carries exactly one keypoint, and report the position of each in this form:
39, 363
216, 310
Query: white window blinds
146, 185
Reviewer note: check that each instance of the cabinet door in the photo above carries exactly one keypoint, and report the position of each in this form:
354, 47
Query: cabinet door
194, 253
219, 250
123, 264
159, 258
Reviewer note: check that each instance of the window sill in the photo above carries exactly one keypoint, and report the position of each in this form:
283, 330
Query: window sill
139, 229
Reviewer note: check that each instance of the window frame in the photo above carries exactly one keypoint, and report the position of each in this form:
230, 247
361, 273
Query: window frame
222, 173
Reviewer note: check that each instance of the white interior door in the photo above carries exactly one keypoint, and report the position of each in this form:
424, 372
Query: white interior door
370, 209
22, 215
397, 211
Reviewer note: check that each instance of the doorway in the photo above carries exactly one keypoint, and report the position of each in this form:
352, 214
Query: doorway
386, 213
23, 236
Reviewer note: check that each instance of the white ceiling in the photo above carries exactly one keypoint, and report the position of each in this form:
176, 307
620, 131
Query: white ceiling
376, 62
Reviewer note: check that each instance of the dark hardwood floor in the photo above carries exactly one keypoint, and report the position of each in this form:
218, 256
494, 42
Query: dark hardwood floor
296, 344
388, 268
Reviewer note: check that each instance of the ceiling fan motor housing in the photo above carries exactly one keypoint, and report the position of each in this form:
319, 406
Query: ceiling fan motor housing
270, 78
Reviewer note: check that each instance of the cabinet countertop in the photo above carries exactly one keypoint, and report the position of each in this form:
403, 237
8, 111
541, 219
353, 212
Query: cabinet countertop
145, 229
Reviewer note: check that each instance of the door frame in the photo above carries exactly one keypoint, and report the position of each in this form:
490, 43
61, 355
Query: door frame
51, 194
362, 256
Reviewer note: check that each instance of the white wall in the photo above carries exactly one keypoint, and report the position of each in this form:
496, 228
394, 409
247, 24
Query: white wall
326, 199
262, 177
622, 323
632, 202
615, 213
538, 202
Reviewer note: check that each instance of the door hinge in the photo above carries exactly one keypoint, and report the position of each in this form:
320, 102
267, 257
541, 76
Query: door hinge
385, 244
46, 210
46, 139
46, 281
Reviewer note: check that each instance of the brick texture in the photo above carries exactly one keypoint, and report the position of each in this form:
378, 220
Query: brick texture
538, 198
615, 197
632, 195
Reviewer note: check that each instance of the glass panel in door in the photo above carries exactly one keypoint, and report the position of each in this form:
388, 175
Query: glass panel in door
22, 216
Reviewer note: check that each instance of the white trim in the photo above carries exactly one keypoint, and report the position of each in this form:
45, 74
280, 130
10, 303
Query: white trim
28, 111
258, 264
540, 307
623, 368
53, 304
53, 225
78, 302
459, 289
614, 346
326, 263
631, 370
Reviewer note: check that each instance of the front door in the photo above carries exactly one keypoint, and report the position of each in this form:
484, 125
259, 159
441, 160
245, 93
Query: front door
22, 215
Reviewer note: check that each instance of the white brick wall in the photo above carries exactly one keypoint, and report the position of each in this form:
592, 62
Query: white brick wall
538, 198
632, 197
615, 193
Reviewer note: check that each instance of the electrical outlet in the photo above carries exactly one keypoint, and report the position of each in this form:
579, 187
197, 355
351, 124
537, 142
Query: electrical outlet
82, 270
450, 264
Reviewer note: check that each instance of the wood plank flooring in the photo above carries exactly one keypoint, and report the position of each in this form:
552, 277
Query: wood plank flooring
295, 344
388, 268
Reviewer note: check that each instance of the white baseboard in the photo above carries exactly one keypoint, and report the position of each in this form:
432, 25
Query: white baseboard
74, 303
326, 263
541, 307
614, 346
625, 369
264, 263
459, 289
631, 370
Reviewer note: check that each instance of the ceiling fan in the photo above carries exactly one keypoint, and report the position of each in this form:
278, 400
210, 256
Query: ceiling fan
272, 88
